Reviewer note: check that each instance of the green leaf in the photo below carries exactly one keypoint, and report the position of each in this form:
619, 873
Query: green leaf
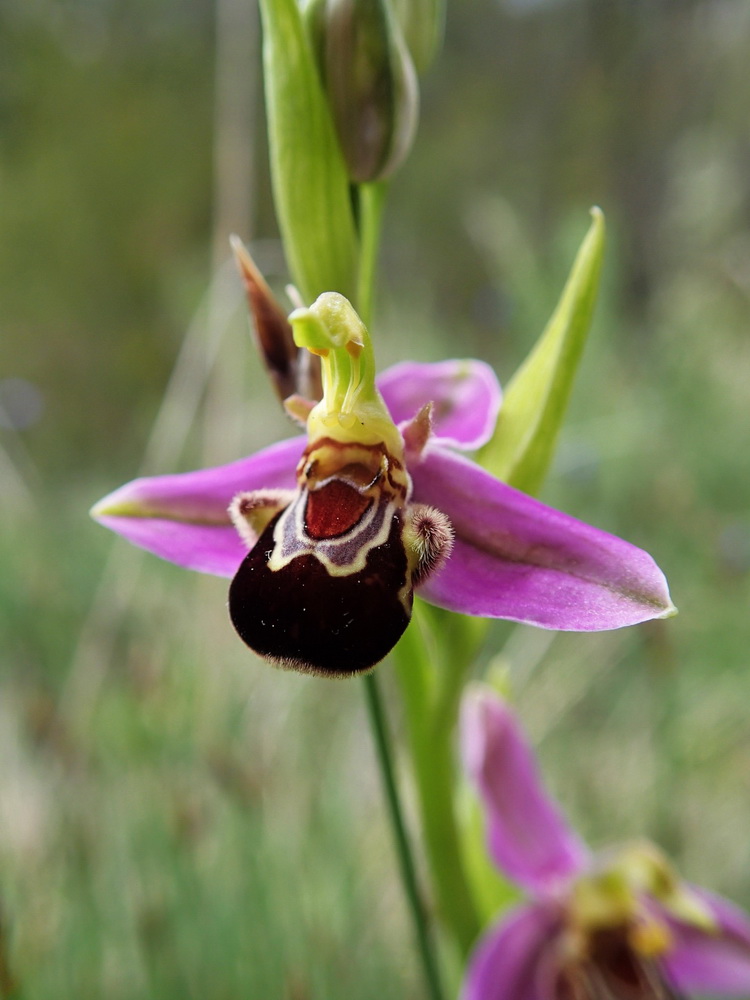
310, 181
535, 401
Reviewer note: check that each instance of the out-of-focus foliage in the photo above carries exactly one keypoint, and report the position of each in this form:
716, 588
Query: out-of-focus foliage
176, 819
105, 160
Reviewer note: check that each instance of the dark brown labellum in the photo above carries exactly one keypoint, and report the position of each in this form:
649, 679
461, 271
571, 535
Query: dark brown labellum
304, 617
613, 970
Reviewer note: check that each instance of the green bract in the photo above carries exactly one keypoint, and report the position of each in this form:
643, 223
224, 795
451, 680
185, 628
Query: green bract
310, 179
534, 406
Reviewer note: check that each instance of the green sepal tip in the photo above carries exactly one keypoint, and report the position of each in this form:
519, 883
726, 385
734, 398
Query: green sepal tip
535, 401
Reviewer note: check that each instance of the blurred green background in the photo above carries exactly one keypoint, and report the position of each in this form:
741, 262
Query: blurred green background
177, 820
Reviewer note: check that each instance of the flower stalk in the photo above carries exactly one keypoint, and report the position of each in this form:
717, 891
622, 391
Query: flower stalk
382, 739
371, 201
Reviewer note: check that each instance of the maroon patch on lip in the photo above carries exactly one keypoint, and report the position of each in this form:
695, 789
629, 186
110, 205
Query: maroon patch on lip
305, 619
333, 509
613, 969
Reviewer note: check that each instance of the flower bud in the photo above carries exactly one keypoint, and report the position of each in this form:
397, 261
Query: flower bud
370, 80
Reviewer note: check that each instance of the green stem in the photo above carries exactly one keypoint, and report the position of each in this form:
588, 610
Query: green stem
371, 202
406, 861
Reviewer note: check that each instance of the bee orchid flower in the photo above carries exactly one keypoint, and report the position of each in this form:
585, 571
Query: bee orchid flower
619, 925
327, 536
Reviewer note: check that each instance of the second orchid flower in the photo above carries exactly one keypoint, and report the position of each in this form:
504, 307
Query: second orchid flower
618, 925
